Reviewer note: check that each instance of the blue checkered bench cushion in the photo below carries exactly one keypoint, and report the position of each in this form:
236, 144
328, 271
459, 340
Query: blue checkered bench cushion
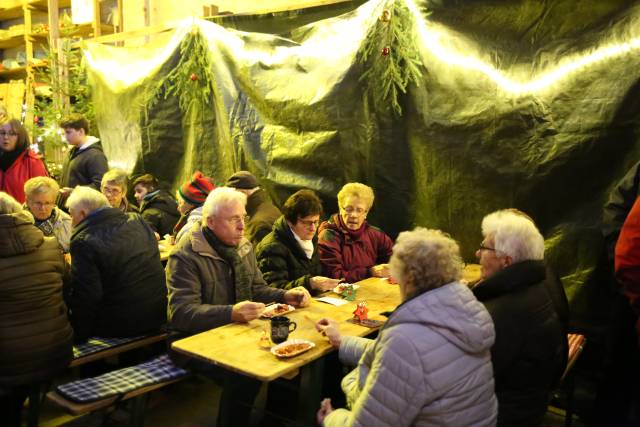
122, 381
96, 344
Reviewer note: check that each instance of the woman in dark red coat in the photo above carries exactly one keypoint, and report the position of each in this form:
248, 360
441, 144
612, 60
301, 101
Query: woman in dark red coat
349, 247
17, 162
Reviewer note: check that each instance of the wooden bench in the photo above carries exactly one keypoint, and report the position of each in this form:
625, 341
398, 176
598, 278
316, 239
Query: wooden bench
138, 394
106, 347
576, 345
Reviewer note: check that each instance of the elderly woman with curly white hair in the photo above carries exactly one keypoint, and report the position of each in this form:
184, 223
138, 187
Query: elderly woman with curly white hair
431, 363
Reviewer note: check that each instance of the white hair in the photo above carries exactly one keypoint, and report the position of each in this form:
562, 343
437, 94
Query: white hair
514, 234
425, 259
9, 205
87, 198
221, 196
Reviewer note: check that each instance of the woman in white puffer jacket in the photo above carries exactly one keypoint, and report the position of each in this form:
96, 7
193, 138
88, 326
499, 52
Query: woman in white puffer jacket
431, 363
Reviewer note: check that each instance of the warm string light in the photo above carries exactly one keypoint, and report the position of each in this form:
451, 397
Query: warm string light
431, 38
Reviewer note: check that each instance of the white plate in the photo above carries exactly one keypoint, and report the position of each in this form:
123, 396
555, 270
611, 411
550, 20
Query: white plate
340, 288
308, 346
277, 310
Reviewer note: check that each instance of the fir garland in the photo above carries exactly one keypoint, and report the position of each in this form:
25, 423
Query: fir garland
392, 57
192, 79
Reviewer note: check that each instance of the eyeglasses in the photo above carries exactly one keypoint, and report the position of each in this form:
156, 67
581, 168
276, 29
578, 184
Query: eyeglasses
355, 211
11, 133
111, 191
309, 223
236, 220
485, 248
41, 205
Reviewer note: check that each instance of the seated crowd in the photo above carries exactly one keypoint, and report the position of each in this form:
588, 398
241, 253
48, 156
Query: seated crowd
450, 354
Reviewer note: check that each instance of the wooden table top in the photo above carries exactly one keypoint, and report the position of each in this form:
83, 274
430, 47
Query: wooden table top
236, 346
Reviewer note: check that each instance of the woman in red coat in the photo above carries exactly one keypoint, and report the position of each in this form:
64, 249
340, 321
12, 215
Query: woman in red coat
17, 162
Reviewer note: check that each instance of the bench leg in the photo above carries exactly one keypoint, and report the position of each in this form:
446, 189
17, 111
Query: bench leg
33, 413
568, 417
138, 408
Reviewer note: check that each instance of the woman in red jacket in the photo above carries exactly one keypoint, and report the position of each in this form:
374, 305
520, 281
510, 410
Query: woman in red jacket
349, 247
17, 162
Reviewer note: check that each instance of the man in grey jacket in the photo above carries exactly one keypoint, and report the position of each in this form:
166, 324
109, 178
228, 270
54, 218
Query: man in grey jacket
213, 279
212, 275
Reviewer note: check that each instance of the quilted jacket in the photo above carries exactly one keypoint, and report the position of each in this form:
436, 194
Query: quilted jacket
35, 335
429, 366
283, 262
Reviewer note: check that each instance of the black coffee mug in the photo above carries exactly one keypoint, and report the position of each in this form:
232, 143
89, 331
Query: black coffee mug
280, 328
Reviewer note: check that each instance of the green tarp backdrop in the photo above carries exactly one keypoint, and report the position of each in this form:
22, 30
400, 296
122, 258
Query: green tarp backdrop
525, 104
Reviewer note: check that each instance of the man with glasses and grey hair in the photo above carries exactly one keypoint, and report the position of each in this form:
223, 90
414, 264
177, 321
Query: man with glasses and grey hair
212, 274
213, 279
530, 314
117, 280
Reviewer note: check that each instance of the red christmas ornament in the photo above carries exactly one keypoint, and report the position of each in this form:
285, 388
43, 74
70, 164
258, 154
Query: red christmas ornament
194, 77
386, 51
36, 119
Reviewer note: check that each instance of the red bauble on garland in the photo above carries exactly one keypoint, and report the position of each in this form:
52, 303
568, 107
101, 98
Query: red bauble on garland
194, 77
386, 51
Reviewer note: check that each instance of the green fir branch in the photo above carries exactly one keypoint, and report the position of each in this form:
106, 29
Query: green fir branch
191, 92
387, 76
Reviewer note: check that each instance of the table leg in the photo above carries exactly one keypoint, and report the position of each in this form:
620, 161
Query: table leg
311, 381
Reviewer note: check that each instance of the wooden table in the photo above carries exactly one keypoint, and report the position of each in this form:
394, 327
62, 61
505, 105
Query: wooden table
236, 347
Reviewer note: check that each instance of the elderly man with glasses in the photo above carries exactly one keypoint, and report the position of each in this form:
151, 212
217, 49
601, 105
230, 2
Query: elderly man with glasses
530, 314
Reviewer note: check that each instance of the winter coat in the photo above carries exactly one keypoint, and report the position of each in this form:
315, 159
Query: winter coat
283, 263
160, 211
26, 166
530, 352
615, 211
429, 366
118, 284
35, 335
58, 225
84, 167
627, 259
343, 257
262, 214
194, 218
201, 286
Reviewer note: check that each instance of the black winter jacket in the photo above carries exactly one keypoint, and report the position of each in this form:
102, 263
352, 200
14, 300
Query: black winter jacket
262, 214
530, 351
117, 280
282, 261
84, 167
160, 212
35, 335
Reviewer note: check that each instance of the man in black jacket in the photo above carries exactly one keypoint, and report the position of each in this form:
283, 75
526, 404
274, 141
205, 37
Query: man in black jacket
86, 162
117, 280
530, 312
261, 211
157, 207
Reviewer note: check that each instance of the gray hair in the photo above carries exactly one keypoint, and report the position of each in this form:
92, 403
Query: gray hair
115, 177
425, 259
8, 205
356, 189
219, 197
514, 234
40, 185
87, 198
